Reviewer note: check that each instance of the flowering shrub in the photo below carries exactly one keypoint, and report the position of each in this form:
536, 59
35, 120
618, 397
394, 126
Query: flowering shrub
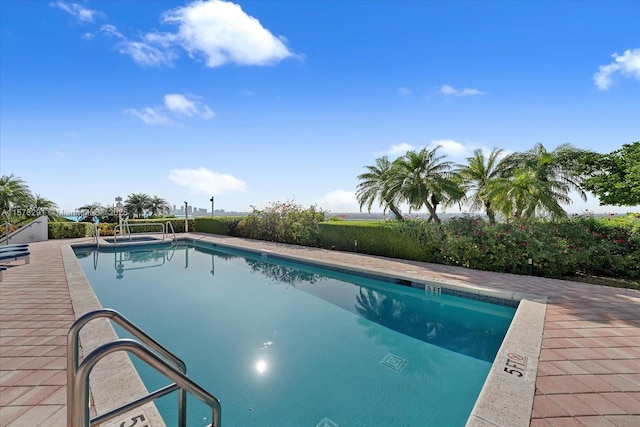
556, 249
284, 222
606, 246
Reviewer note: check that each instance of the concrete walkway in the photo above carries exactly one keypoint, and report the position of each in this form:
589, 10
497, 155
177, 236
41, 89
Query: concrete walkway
588, 373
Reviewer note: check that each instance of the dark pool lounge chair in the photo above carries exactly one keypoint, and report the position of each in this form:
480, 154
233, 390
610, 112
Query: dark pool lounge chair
14, 246
13, 249
14, 256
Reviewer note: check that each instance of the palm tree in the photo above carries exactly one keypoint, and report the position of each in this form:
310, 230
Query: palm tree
375, 185
423, 179
476, 178
45, 207
524, 193
14, 193
158, 206
543, 180
136, 204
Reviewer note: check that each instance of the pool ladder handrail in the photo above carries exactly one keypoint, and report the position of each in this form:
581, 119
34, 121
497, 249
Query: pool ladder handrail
126, 226
78, 374
96, 234
173, 232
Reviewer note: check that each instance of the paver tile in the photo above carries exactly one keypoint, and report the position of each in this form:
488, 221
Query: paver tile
599, 403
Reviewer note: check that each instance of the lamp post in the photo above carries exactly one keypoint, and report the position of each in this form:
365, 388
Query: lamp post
186, 217
118, 207
211, 200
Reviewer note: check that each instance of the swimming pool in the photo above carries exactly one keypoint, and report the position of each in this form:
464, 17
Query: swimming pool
291, 344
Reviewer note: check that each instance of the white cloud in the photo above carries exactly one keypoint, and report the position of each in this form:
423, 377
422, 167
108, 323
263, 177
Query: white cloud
143, 52
451, 148
339, 201
221, 32
150, 116
187, 105
78, 11
449, 90
176, 104
404, 91
396, 150
628, 64
146, 54
218, 32
112, 30
205, 181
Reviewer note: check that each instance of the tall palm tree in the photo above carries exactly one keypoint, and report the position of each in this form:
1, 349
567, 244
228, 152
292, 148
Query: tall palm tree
136, 204
14, 193
423, 179
476, 176
158, 206
550, 175
375, 185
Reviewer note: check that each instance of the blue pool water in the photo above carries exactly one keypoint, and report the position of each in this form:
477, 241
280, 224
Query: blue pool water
287, 344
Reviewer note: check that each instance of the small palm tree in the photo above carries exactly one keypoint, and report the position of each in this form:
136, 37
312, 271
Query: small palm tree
158, 206
137, 204
476, 177
14, 194
550, 175
423, 179
45, 207
375, 186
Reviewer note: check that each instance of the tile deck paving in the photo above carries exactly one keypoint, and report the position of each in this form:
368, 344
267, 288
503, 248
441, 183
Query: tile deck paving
588, 373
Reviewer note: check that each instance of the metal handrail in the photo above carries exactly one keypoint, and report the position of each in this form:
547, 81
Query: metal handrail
127, 226
170, 226
81, 382
7, 230
96, 234
73, 356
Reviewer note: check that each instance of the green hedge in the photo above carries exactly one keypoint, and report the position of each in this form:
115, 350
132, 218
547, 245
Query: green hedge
225, 225
70, 230
594, 246
374, 238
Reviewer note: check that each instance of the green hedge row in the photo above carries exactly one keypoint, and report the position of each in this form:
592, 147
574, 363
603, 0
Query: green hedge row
70, 230
373, 238
225, 225
594, 246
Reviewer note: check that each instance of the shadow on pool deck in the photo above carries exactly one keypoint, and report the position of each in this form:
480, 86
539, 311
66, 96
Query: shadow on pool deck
588, 373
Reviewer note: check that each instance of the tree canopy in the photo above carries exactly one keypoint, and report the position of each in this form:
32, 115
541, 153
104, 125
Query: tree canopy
614, 177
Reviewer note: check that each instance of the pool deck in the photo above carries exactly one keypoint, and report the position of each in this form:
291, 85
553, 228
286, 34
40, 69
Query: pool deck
588, 371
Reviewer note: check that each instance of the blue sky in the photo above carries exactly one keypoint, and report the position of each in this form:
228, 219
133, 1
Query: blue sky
261, 101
